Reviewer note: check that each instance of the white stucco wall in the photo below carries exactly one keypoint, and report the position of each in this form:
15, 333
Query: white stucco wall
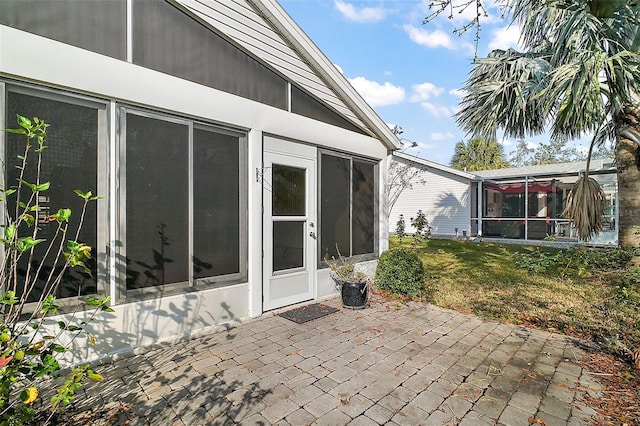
64, 67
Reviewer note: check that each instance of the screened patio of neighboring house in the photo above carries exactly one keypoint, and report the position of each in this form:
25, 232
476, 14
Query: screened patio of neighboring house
527, 203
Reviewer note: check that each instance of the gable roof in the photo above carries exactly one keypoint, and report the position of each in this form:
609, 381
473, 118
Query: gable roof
435, 165
596, 166
263, 28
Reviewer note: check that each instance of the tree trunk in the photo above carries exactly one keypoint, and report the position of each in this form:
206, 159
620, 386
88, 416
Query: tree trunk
628, 165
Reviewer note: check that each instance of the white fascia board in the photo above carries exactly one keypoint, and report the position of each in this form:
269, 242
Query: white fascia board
438, 166
322, 65
93, 74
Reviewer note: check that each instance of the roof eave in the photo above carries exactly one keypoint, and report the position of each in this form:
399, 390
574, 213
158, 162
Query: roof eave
442, 167
322, 65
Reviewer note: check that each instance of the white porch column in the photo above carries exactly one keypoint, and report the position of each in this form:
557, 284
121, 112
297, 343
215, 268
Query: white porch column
254, 219
479, 208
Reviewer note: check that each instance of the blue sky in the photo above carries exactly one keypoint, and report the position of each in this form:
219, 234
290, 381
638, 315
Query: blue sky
409, 73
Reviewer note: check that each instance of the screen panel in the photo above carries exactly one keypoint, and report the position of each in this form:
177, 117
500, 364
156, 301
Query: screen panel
216, 203
157, 202
96, 25
69, 162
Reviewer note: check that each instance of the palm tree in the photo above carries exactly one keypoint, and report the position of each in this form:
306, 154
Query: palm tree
478, 154
579, 74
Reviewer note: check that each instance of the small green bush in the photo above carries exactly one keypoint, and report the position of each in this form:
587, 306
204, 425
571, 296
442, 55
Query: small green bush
400, 271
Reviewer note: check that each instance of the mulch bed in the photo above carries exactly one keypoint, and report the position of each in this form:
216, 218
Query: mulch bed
308, 313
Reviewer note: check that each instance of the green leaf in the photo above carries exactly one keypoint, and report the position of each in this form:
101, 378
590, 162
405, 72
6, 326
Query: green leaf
28, 219
16, 131
92, 301
9, 298
29, 185
63, 215
49, 306
43, 186
24, 122
9, 192
94, 377
57, 348
102, 304
27, 243
83, 195
10, 231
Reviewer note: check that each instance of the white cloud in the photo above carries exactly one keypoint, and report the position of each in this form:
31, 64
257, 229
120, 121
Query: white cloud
438, 111
457, 92
424, 91
365, 14
339, 68
387, 73
505, 37
440, 136
425, 146
436, 38
506, 142
377, 94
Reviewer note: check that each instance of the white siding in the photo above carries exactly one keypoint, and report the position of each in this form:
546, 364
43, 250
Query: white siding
244, 25
443, 197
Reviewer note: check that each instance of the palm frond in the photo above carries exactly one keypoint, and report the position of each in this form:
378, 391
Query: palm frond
501, 92
585, 206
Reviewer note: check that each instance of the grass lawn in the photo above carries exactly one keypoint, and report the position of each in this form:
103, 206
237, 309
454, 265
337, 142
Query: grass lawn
581, 292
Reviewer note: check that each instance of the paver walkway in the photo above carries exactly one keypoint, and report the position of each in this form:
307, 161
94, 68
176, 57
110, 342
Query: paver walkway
391, 363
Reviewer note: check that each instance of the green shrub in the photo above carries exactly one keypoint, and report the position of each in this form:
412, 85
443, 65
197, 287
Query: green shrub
400, 271
574, 261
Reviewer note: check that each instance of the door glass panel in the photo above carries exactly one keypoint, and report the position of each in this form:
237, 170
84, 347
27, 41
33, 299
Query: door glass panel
288, 245
289, 184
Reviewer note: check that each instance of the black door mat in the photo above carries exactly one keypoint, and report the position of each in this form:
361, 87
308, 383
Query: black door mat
308, 313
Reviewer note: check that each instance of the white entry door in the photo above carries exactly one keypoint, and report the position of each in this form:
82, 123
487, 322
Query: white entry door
289, 199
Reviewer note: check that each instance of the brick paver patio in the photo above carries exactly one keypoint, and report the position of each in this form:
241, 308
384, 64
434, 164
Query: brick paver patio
391, 363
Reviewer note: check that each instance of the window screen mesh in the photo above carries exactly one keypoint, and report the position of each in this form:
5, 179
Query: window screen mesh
304, 104
157, 233
167, 40
216, 204
96, 25
69, 162
363, 190
335, 207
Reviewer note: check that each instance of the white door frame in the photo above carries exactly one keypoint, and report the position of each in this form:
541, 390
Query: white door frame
297, 284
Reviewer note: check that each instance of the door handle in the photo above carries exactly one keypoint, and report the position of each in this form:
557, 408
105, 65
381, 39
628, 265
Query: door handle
312, 235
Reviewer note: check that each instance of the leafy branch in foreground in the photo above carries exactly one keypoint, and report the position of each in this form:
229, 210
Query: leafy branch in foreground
31, 272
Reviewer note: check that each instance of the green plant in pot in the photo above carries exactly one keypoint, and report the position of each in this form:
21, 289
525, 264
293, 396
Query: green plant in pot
354, 285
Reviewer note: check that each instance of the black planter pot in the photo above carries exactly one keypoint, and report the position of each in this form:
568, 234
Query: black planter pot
354, 295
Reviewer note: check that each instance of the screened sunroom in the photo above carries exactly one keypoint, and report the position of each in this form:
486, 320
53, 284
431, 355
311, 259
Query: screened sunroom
527, 203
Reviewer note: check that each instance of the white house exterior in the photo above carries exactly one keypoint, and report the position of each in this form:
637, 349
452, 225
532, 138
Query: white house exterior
524, 203
442, 193
233, 154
